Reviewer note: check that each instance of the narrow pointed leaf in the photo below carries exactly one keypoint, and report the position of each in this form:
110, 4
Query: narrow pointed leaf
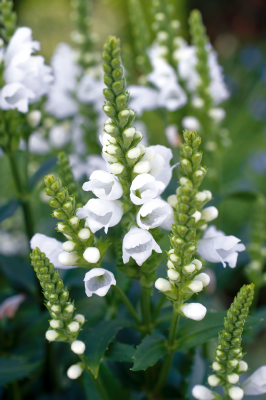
151, 349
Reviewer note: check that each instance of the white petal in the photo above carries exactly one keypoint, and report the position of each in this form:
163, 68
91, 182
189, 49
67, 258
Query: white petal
148, 188
200, 392
104, 185
98, 281
256, 383
154, 213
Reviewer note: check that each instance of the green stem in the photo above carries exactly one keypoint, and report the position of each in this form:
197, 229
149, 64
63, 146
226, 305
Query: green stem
159, 307
98, 385
169, 357
23, 196
127, 303
146, 310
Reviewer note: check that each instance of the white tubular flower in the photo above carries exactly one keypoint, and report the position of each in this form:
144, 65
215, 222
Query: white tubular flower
191, 123
217, 114
154, 213
159, 158
98, 281
92, 255
216, 247
75, 371
236, 393
163, 285
256, 383
204, 278
101, 213
209, 214
78, 347
195, 311
138, 244
200, 392
53, 249
144, 188
104, 185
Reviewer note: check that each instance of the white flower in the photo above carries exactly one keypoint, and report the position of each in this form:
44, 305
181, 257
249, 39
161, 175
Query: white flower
194, 311
9, 306
52, 249
256, 383
236, 393
15, 96
75, 371
204, 278
144, 188
217, 114
104, 185
92, 255
51, 335
59, 136
143, 98
172, 97
154, 213
202, 393
101, 213
98, 281
159, 158
216, 247
209, 214
163, 285
38, 144
138, 244
90, 90
191, 123
78, 347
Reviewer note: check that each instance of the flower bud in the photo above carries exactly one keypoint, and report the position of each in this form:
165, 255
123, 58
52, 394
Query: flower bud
195, 286
84, 234
213, 380
233, 378
236, 393
129, 133
110, 111
80, 318
75, 371
242, 367
188, 269
112, 130
73, 327
56, 308
142, 167
92, 255
163, 285
74, 221
116, 168
200, 196
198, 264
174, 258
78, 347
216, 366
69, 309
195, 311
133, 154
51, 335
209, 213
172, 200
69, 246
66, 258
34, 118
173, 275
204, 278
56, 324
197, 216
170, 264
232, 363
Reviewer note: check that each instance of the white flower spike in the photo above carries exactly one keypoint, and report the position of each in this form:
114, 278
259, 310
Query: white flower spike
200, 392
138, 244
154, 213
104, 185
98, 281
216, 247
256, 383
101, 213
144, 188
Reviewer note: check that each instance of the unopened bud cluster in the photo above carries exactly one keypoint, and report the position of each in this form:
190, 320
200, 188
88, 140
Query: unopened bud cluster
63, 326
8, 19
228, 364
66, 173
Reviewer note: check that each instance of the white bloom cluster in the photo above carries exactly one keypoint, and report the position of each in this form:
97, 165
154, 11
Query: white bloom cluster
26, 77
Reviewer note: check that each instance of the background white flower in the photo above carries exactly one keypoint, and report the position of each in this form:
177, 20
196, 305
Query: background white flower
216, 247
98, 281
256, 383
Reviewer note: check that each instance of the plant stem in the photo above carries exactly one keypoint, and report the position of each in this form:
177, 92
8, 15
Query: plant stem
99, 386
127, 303
159, 307
23, 196
146, 310
169, 357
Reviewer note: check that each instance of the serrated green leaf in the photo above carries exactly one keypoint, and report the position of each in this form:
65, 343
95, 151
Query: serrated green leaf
121, 352
8, 209
98, 340
151, 349
193, 333
43, 170
15, 368
89, 388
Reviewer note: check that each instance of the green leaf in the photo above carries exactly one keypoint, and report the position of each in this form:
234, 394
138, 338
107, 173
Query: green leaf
20, 274
120, 352
89, 388
43, 170
151, 349
8, 209
112, 384
15, 368
98, 340
192, 334
243, 195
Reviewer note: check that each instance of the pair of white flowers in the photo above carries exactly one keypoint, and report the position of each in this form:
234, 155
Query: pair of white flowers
254, 385
27, 78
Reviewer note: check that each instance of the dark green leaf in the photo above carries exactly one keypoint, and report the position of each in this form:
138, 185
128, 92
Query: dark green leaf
121, 352
242, 195
89, 388
151, 349
12, 369
18, 273
98, 340
8, 209
193, 333
112, 384
43, 170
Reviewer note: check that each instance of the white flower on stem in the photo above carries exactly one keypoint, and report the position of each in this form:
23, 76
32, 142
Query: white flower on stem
154, 213
53, 250
216, 247
200, 392
98, 281
104, 185
172, 97
159, 158
236, 393
256, 383
15, 96
101, 213
195, 311
191, 123
209, 214
217, 114
9, 306
138, 244
144, 188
